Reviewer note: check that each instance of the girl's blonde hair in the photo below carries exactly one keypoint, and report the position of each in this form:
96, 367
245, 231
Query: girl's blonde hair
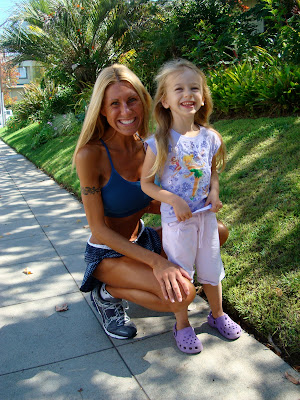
95, 123
163, 116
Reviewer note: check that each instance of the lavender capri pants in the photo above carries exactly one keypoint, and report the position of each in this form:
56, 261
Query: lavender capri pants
94, 254
194, 244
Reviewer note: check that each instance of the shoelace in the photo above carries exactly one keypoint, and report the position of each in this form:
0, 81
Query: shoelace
121, 317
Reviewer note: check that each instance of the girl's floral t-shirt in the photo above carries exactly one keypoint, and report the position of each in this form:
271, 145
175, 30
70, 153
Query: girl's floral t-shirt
187, 171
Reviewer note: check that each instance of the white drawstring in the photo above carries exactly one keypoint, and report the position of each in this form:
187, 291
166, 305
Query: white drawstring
201, 230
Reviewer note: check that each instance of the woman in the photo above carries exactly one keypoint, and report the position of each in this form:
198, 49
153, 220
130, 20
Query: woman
122, 252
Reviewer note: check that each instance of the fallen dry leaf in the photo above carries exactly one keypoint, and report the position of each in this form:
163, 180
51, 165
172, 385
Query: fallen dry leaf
63, 307
27, 271
279, 292
292, 379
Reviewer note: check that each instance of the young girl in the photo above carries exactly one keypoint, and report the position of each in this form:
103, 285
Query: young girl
185, 153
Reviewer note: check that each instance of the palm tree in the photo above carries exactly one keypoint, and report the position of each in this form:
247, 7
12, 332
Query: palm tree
72, 38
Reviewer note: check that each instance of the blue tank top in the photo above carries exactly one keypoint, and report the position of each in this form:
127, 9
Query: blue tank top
120, 197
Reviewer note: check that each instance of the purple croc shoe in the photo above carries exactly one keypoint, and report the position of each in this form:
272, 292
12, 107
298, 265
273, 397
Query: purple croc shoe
225, 326
187, 341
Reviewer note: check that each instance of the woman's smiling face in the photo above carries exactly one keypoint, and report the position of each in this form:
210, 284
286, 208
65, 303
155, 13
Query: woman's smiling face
123, 108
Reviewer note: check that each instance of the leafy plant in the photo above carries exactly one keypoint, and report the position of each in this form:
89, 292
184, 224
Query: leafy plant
66, 124
72, 39
43, 135
63, 99
82, 103
14, 124
32, 102
258, 86
41, 102
281, 34
223, 32
60, 125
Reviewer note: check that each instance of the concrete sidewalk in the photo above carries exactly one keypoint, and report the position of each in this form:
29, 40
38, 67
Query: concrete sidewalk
66, 355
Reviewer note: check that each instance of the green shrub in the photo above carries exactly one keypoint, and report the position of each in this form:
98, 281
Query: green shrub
31, 104
57, 100
14, 124
83, 103
66, 124
60, 125
41, 102
43, 135
256, 87
281, 34
63, 100
206, 32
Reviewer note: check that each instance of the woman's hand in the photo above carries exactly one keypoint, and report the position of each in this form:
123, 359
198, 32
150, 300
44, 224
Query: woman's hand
170, 278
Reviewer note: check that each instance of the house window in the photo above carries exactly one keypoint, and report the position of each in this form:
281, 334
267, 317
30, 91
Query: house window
23, 72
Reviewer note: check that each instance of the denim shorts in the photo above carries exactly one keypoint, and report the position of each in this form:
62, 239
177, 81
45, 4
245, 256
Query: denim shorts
148, 239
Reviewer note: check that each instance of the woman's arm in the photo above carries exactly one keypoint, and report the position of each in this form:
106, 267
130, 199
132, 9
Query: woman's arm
168, 275
181, 208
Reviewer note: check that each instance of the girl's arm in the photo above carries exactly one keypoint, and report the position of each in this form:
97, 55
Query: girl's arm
181, 208
213, 196
167, 274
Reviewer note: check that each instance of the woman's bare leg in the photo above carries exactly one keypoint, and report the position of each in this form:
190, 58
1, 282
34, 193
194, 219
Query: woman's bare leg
223, 232
134, 281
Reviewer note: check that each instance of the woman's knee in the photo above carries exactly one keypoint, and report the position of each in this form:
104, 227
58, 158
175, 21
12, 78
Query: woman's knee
223, 232
125, 274
192, 292
187, 299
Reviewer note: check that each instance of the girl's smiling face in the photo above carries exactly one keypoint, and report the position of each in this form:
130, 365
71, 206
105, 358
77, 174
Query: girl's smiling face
183, 93
123, 108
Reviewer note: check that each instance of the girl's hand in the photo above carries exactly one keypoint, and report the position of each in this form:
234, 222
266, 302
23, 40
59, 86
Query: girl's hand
169, 277
213, 199
181, 209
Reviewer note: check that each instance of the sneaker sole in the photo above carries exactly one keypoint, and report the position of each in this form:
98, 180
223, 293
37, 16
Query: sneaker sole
105, 330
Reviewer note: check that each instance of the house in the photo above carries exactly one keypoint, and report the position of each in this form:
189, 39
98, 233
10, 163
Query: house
29, 71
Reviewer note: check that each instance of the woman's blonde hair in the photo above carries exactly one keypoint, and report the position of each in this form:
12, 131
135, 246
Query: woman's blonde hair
163, 116
95, 123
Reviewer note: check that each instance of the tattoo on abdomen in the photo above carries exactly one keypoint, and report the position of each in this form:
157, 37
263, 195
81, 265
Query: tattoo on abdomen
89, 190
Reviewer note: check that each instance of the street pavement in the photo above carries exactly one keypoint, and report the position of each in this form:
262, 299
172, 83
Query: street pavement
47, 354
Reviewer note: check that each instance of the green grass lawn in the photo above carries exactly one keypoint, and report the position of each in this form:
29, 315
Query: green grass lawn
260, 193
